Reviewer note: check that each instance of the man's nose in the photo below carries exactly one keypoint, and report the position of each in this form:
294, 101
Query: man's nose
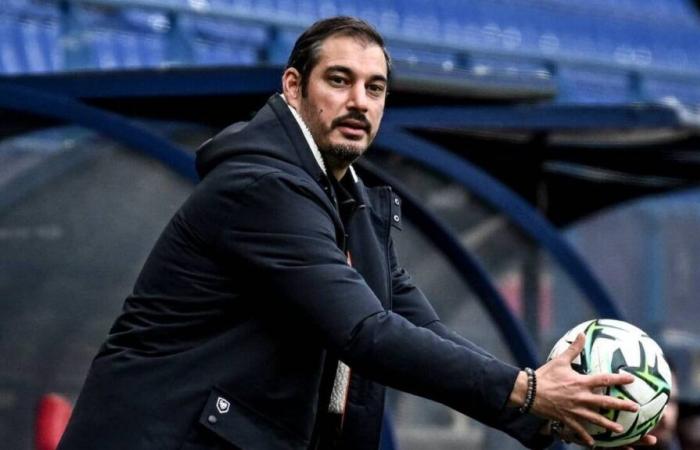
358, 98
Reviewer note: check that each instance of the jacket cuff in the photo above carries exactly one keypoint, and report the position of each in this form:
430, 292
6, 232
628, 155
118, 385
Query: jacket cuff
502, 378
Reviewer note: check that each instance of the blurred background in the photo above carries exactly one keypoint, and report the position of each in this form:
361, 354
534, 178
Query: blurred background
547, 153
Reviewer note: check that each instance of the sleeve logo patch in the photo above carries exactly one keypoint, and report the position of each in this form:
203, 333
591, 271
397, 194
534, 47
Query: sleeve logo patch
222, 405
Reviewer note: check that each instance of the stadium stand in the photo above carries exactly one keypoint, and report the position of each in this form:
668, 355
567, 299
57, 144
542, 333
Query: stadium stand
579, 44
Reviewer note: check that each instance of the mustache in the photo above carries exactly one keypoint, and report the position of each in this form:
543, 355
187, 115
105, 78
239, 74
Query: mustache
352, 115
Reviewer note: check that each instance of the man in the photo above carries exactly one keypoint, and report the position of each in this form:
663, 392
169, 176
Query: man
272, 309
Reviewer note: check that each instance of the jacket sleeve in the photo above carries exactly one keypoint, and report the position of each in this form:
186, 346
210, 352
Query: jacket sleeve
279, 232
410, 302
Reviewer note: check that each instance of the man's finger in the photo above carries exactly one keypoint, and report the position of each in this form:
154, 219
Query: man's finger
600, 420
581, 432
649, 439
575, 348
597, 401
609, 379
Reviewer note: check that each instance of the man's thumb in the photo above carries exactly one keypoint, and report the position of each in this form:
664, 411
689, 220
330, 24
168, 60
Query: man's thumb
575, 348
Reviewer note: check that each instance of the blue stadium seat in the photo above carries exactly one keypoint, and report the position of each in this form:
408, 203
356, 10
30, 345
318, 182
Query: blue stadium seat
116, 49
520, 27
676, 11
41, 49
345, 8
281, 46
225, 30
461, 23
419, 20
368, 11
388, 18
307, 10
107, 38
245, 6
97, 52
216, 41
284, 11
11, 48
531, 27
216, 53
29, 36
29, 44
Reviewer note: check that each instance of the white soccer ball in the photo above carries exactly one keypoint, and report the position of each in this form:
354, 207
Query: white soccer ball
613, 346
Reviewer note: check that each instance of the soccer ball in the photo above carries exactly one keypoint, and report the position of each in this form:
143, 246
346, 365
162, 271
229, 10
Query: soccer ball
613, 346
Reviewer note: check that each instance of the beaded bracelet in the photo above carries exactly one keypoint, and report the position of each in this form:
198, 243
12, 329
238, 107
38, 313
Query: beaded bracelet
531, 391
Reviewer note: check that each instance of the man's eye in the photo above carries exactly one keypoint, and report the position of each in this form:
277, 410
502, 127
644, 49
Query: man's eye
376, 89
337, 81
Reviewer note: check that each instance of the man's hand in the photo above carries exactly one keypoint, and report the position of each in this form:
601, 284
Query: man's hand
570, 398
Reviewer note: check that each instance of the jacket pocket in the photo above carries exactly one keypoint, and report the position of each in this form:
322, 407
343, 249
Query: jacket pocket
242, 426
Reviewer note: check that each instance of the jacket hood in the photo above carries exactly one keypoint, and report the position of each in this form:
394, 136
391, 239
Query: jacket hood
273, 132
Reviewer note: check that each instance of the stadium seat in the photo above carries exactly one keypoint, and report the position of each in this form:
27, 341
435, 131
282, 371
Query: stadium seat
222, 29
107, 38
24, 46
389, 18
281, 45
419, 19
216, 41
29, 37
11, 48
41, 51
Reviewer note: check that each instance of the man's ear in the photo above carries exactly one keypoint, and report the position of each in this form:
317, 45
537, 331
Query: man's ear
291, 86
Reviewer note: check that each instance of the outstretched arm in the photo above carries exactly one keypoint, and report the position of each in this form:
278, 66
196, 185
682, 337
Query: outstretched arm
562, 394
409, 302
569, 397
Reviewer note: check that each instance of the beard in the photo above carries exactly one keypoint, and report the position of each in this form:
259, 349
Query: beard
338, 155
344, 154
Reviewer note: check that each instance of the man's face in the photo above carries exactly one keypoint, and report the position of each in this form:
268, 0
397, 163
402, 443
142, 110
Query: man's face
344, 98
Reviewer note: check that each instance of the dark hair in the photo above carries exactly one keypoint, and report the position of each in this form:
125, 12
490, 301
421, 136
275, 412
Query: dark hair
305, 53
